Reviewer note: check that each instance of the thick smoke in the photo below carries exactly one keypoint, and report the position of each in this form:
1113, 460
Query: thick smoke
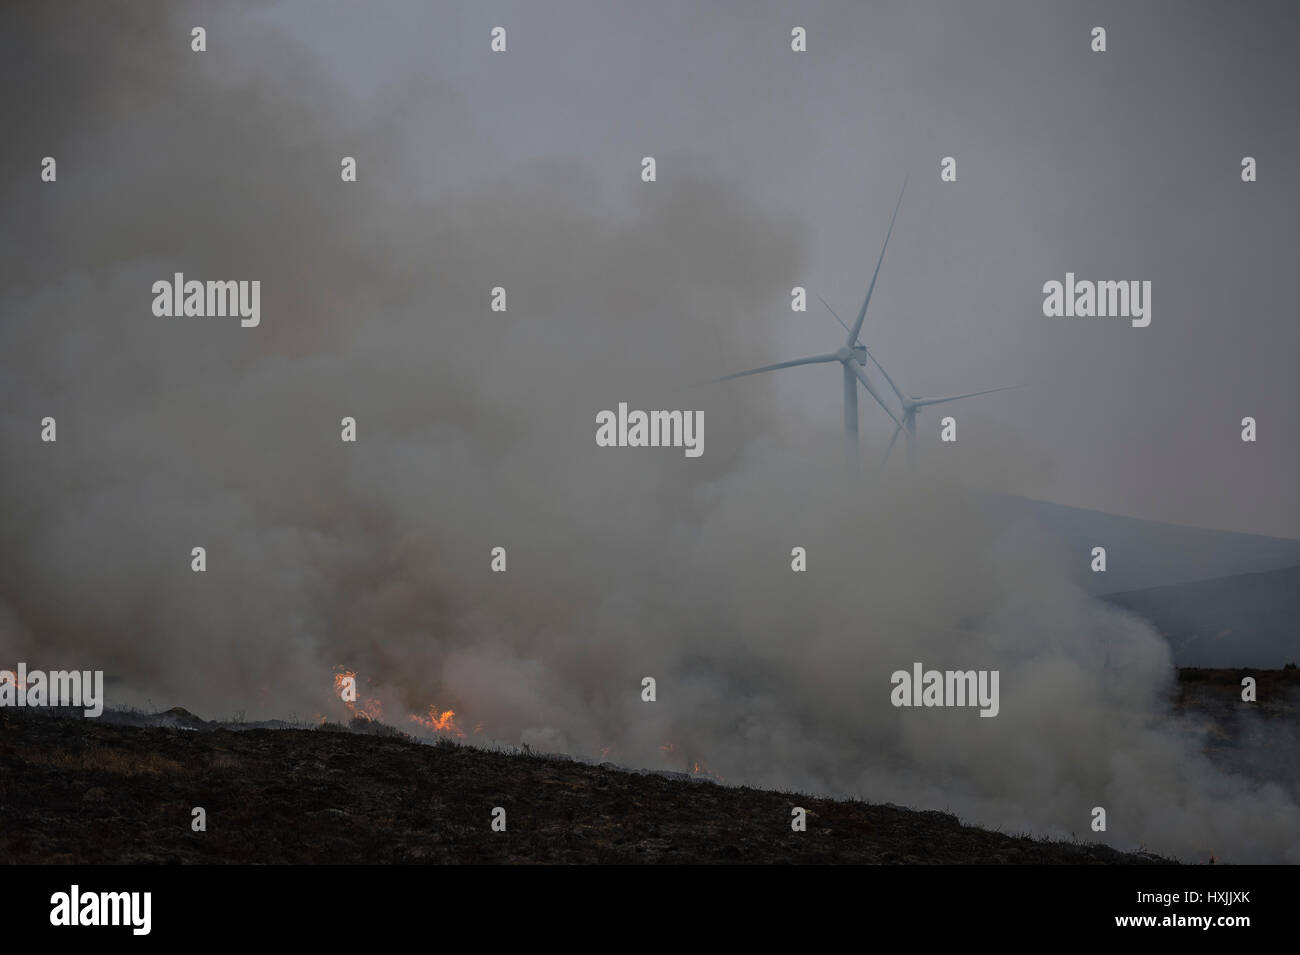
476, 430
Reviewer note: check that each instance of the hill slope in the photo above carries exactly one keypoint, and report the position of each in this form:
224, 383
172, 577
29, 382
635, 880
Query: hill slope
1246, 620
76, 790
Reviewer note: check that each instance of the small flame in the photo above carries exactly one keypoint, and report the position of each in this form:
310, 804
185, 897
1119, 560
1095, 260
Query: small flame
437, 721
697, 766
440, 722
369, 709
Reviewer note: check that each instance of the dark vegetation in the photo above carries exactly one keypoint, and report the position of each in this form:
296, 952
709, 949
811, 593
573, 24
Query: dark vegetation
103, 791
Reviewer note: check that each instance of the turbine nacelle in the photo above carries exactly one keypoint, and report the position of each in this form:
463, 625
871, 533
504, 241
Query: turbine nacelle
856, 353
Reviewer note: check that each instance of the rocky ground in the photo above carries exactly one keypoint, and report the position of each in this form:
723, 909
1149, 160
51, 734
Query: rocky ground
122, 791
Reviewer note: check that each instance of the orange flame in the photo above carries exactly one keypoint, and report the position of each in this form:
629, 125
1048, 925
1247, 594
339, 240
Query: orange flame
697, 766
369, 709
437, 721
440, 722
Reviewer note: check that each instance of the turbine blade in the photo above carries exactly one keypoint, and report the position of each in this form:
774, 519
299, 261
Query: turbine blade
862, 377
891, 445
857, 326
922, 402
814, 360
877, 363
833, 312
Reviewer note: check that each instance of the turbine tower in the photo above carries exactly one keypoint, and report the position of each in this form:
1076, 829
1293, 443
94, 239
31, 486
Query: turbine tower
852, 356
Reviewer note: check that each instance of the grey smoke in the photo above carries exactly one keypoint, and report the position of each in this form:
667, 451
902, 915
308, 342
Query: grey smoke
476, 429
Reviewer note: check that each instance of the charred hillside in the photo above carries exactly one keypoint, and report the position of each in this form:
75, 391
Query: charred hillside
90, 791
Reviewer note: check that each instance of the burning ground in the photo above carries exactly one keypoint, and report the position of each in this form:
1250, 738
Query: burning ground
76, 791
121, 790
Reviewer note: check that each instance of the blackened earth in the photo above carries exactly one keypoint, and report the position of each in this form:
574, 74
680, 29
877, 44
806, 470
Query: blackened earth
74, 790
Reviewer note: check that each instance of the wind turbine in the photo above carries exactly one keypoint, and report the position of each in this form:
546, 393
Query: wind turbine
852, 356
912, 406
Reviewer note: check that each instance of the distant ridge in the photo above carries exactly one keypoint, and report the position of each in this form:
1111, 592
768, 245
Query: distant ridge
1247, 620
1142, 554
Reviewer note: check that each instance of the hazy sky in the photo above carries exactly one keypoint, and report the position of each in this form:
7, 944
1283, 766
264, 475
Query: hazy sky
1120, 165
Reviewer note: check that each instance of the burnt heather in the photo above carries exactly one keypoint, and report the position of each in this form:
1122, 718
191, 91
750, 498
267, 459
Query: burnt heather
74, 790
